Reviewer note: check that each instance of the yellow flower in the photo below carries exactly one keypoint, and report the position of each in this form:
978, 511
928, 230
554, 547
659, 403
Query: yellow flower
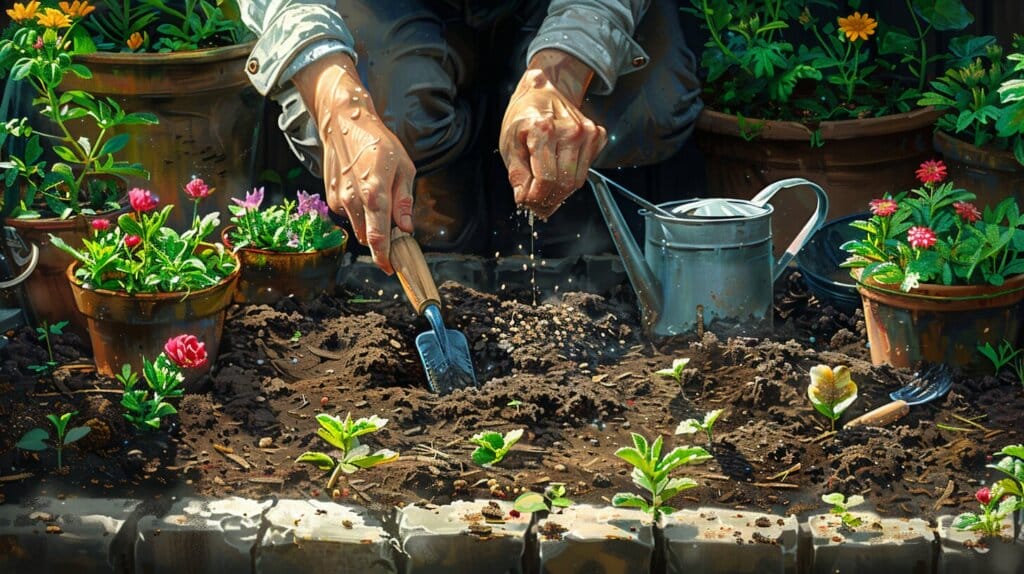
77, 9
857, 25
134, 41
53, 18
22, 12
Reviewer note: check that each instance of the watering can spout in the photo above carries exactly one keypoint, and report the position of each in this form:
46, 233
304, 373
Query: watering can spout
646, 286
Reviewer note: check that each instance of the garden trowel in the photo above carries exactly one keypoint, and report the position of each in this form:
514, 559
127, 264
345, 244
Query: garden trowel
444, 352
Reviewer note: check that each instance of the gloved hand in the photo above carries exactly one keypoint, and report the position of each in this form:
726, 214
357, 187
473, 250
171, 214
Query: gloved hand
367, 173
547, 143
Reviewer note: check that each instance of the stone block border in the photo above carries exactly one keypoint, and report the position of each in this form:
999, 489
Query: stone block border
224, 536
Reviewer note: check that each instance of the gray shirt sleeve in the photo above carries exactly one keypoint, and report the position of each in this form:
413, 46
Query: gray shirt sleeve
599, 33
292, 34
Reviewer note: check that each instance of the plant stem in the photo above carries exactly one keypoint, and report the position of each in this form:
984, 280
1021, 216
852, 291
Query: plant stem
922, 60
335, 475
60, 450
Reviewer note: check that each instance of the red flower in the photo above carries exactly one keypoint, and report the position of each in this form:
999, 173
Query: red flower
921, 237
984, 495
142, 200
101, 224
931, 171
967, 211
883, 207
197, 189
132, 241
186, 351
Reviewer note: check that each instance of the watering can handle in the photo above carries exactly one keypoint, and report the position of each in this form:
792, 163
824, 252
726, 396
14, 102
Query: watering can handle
812, 225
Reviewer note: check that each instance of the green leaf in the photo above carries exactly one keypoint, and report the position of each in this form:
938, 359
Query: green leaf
561, 502
630, 500
33, 440
317, 459
1015, 450
483, 456
530, 502
114, 144
332, 430
489, 439
75, 434
633, 457
965, 521
382, 456
944, 15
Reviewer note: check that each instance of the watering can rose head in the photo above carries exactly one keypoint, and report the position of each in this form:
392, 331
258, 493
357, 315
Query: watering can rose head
292, 226
139, 254
936, 234
87, 133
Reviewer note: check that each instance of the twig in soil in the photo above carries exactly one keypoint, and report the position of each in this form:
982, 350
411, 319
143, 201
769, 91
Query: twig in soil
952, 428
229, 454
968, 421
782, 475
993, 433
324, 354
775, 485
267, 480
431, 450
14, 477
112, 391
950, 486
591, 462
714, 476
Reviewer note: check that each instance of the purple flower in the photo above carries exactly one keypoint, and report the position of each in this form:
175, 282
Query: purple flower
252, 200
311, 204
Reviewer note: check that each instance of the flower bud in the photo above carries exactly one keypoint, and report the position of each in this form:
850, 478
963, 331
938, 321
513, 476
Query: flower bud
186, 351
984, 495
132, 241
100, 224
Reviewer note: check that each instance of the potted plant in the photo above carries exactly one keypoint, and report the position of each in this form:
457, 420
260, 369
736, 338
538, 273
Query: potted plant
938, 277
140, 283
815, 90
185, 62
83, 176
292, 249
981, 133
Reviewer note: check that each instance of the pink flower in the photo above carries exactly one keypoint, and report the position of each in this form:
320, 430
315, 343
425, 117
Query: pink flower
100, 224
311, 204
967, 211
142, 200
132, 241
984, 495
197, 189
921, 237
39, 43
931, 171
252, 200
186, 351
883, 207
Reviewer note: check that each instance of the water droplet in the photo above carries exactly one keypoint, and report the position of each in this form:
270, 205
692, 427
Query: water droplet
354, 114
344, 131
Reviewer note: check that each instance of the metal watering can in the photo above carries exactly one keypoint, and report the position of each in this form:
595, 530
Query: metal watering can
704, 259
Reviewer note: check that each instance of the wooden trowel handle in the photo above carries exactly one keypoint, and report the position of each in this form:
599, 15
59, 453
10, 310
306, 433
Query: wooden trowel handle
881, 416
412, 270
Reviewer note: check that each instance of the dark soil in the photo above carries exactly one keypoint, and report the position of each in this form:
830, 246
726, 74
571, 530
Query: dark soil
584, 378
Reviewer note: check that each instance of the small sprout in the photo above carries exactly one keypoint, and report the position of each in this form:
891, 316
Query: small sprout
43, 333
344, 435
515, 403
676, 371
831, 391
841, 506
553, 497
690, 426
1018, 369
35, 439
651, 472
295, 336
493, 446
996, 505
1000, 357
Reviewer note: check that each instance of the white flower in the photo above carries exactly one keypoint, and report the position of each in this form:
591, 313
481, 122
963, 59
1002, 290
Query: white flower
910, 281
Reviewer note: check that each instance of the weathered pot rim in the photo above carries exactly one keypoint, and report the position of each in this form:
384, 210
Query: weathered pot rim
953, 147
159, 296
926, 293
169, 58
329, 251
729, 124
56, 223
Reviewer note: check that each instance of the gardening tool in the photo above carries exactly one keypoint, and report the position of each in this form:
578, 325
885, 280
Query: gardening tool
704, 259
930, 385
444, 352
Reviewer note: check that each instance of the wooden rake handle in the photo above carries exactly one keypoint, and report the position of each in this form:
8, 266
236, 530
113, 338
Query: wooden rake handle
881, 416
412, 270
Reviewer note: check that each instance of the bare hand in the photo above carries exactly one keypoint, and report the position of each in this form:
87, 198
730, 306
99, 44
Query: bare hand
367, 172
547, 143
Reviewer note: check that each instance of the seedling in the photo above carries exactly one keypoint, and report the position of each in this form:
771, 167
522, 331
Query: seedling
295, 337
690, 426
35, 439
1012, 465
515, 403
493, 446
831, 391
43, 333
165, 381
345, 436
651, 473
676, 370
1018, 369
999, 357
841, 506
996, 505
553, 497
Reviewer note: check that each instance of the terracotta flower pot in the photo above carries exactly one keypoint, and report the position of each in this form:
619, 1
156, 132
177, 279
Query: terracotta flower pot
939, 323
991, 174
859, 161
209, 116
267, 276
125, 328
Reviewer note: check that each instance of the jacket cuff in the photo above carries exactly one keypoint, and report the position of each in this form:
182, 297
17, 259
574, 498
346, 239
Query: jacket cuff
288, 36
590, 36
